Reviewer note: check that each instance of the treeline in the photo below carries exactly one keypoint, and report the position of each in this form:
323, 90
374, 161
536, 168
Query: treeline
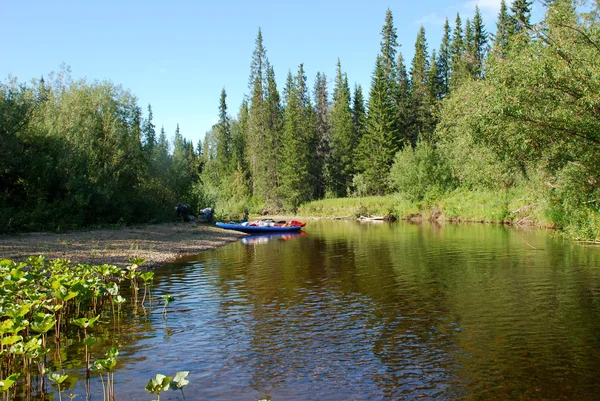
518, 109
79, 154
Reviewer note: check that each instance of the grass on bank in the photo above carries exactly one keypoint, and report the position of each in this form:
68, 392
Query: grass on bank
512, 206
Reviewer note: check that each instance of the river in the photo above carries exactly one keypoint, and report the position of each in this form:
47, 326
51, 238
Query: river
374, 311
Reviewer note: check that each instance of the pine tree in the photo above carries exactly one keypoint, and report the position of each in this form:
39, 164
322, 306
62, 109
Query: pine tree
443, 61
340, 167
377, 147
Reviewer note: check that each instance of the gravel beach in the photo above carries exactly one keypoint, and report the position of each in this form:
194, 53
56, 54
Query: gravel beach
157, 243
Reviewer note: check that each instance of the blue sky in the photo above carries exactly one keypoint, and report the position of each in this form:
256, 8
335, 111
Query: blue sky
178, 55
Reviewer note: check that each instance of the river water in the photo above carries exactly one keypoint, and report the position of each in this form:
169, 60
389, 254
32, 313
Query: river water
375, 311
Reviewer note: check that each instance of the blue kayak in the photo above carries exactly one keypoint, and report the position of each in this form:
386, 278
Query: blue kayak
258, 229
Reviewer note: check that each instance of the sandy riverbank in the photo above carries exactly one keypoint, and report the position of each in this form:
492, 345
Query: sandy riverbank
157, 243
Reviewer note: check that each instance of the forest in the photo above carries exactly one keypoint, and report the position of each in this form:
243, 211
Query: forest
515, 114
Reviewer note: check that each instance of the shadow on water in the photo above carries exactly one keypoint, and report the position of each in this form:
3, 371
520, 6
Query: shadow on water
375, 312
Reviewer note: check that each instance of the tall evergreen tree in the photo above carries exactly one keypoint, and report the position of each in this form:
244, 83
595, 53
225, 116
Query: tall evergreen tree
479, 44
149, 131
224, 140
458, 65
377, 147
322, 126
297, 143
420, 88
340, 167
502, 31
404, 110
434, 81
239, 136
389, 48
258, 151
359, 114
520, 16
274, 126
443, 60
389, 63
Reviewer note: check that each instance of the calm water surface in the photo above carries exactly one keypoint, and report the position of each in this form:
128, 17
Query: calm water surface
356, 311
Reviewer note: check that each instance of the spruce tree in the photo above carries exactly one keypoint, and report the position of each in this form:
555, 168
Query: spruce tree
388, 50
258, 152
434, 81
520, 17
224, 140
377, 147
340, 166
149, 131
359, 114
389, 45
420, 88
322, 126
502, 31
443, 60
274, 126
238, 139
479, 44
404, 110
295, 164
469, 48
457, 55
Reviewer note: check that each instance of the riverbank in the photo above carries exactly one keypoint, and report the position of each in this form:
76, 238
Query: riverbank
513, 207
157, 243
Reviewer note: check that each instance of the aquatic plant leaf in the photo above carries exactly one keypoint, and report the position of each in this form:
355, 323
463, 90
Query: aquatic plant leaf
147, 276
112, 353
158, 384
84, 322
137, 261
57, 378
8, 382
179, 381
10, 340
19, 310
43, 323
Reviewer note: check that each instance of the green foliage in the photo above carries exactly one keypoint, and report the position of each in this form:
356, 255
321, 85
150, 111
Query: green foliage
76, 155
419, 172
